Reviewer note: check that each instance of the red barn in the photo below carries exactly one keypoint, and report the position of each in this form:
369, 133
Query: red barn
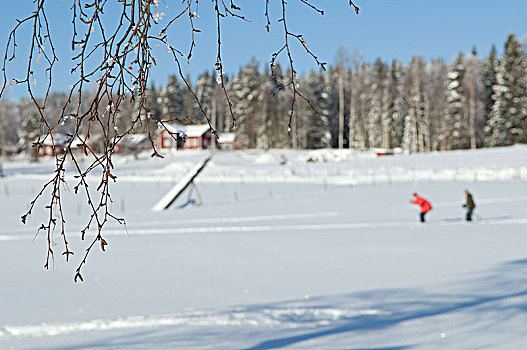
226, 140
50, 148
178, 136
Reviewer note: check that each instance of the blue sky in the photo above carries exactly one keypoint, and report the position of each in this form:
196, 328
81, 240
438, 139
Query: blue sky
390, 29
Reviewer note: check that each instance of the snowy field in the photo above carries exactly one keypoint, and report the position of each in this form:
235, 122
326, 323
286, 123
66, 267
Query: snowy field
289, 250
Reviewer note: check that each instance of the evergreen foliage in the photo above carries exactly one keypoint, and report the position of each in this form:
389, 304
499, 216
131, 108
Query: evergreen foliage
418, 107
29, 127
318, 133
244, 91
455, 119
172, 99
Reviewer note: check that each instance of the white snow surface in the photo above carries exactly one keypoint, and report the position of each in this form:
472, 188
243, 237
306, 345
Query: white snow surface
322, 252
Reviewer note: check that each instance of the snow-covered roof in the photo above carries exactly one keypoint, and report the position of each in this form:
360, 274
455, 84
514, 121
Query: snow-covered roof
195, 130
58, 139
226, 137
135, 138
61, 139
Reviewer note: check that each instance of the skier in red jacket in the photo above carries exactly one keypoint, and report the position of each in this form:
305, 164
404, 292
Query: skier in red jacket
424, 204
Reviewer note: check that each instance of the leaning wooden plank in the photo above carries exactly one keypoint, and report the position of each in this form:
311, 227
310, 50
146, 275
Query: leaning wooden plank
173, 194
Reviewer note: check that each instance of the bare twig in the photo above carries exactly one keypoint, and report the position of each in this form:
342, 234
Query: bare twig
116, 64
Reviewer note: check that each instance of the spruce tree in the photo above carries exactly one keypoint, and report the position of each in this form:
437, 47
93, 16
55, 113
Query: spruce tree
437, 72
387, 110
264, 134
490, 70
9, 127
454, 126
473, 87
205, 91
395, 113
279, 109
376, 129
172, 99
332, 82
191, 109
244, 97
515, 77
318, 132
29, 127
416, 132
508, 117
154, 101
359, 106
498, 127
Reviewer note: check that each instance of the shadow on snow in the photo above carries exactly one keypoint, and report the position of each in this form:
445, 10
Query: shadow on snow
501, 291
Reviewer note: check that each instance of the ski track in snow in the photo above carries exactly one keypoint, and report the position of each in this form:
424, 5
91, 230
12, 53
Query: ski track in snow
316, 227
287, 317
486, 201
244, 219
256, 218
290, 228
137, 230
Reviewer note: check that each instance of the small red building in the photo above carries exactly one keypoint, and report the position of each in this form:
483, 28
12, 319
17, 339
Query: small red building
49, 147
132, 143
226, 140
179, 136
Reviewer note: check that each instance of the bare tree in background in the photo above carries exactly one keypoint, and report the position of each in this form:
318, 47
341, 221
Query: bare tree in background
115, 62
342, 59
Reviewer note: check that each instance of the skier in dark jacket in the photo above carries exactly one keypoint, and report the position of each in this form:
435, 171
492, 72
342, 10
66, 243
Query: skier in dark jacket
470, 205
424, 204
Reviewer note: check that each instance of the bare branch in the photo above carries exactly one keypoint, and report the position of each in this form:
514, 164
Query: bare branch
115, 62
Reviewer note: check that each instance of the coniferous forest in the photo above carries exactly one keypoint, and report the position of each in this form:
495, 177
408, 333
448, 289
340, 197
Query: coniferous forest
474, 101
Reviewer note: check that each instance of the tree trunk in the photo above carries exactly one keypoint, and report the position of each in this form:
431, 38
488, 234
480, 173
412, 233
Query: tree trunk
213, 113
341, 105
472, 118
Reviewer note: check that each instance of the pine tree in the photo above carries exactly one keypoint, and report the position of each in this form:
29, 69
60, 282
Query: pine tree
153, 101
9, 127
334, 75
515, 76
204, 91
498, 128
416, 136
474, 107
508, 118
279, 109
191, 109
318, 133
303, 116
359, 104
454, 124
436, 82
341, 60
395, 109
220, 113
264, 125
387, 111
172, 99
29, 127
490, 70
244, 96
377, 127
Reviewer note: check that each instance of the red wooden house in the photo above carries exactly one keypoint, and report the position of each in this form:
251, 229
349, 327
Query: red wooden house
50, 147
226, 140
179, 136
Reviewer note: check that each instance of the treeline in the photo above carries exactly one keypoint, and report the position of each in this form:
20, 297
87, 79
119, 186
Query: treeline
421, 106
